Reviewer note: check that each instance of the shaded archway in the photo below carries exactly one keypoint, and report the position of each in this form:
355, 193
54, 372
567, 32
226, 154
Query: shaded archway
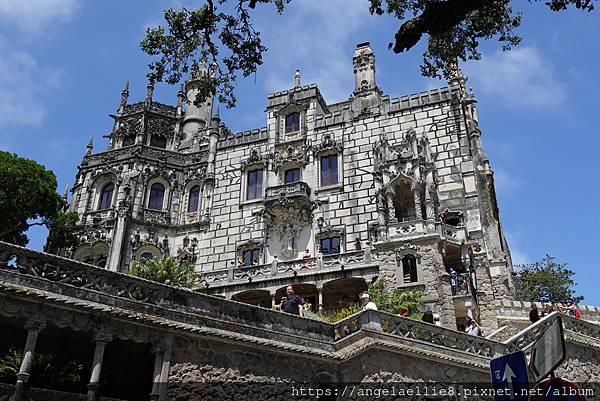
307, 291
254, 297
339, 293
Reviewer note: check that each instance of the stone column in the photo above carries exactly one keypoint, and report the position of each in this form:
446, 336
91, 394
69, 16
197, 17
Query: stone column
100, 339
166, 365
416, 189
116, 248
33, 327
391, 209
273, 300
320, 298
159, 352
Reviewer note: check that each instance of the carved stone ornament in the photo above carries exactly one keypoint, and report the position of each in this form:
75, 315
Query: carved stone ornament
287, 221
328, 144
157, 126
254, 160
297, 155
408, 249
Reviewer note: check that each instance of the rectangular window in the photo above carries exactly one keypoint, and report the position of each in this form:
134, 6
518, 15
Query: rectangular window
329, 170
292, 175
292, 122
255, 180
409, 269
251, 257
330, 246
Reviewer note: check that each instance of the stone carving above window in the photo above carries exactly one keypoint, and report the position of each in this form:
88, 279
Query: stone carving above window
328, 144
255, 160
291, 155
151, 238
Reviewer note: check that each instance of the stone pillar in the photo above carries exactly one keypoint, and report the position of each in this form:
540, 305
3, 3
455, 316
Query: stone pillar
273, 300
469, 308
391, 209
159, 352
33, 327
166, 365
320, 298
100, 339
116, 248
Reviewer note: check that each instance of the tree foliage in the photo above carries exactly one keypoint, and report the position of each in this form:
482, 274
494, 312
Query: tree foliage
28, 198
546, 281
166, 270
220, 32
395, 300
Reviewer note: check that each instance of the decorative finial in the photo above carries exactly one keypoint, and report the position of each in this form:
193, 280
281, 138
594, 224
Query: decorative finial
456, 76
90, 146
149, 92
66, 193
297, 79
180, 96
125, 94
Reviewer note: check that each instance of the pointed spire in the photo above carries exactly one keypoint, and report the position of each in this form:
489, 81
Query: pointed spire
215, 119
297, 79
456, 76
149, 92
124, 95
180, 96
90, 146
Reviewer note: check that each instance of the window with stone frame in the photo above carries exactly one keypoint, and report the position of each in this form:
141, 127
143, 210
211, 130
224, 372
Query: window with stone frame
409, 269
292, 122
128, 140
193, 199
106, 195
156, 197
251, 257
254, 184
329, 170
158, 141
147, 255
330, 245
291, 175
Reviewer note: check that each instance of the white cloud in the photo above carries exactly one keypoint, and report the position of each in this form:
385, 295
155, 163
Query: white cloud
521, 77
313, 36
505, 182
518, 256
22, 82
34, 17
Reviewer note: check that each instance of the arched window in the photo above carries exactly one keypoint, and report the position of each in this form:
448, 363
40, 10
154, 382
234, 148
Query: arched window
292, 122
147, 255
157, 196
194, 199
128, 140
106, 196
158, 141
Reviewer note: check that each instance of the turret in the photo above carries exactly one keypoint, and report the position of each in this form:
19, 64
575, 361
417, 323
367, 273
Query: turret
364, 70
195, 118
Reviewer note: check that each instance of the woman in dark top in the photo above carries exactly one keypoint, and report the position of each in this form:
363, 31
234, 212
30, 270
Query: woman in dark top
534, 315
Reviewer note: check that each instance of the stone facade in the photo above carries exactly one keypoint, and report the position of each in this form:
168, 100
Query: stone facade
399, 185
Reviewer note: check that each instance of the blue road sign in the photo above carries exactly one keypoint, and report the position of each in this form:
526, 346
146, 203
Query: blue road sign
509, 377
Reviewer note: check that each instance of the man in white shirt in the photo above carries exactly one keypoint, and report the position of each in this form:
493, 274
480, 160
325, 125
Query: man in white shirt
367, 304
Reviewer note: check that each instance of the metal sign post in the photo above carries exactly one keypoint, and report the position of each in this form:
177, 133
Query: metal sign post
547, 353
509, 377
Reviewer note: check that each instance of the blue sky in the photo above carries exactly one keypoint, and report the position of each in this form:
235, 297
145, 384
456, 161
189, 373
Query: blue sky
63, 64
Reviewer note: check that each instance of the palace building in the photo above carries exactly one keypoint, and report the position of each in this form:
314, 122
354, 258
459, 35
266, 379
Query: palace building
328, 197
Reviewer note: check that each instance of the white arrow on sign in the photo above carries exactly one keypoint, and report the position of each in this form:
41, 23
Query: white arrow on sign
508, 377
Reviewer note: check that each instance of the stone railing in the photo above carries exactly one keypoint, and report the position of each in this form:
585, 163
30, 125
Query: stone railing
297, 189
407, 229
451, 232
286, 269
152, 216
410, 329
520, 310
49, 274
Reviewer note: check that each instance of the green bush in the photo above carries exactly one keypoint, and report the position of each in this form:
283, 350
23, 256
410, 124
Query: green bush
168, 270
345, 312
397, 299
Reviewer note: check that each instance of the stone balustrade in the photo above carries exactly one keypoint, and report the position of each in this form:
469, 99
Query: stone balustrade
28, 269
413, 228
287, 269
299, 189
520, 310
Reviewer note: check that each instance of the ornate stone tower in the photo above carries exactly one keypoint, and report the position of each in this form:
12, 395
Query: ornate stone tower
329, 197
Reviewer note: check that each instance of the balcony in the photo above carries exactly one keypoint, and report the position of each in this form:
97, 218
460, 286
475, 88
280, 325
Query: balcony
415, 228
293, 191
289, 269
452, 233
